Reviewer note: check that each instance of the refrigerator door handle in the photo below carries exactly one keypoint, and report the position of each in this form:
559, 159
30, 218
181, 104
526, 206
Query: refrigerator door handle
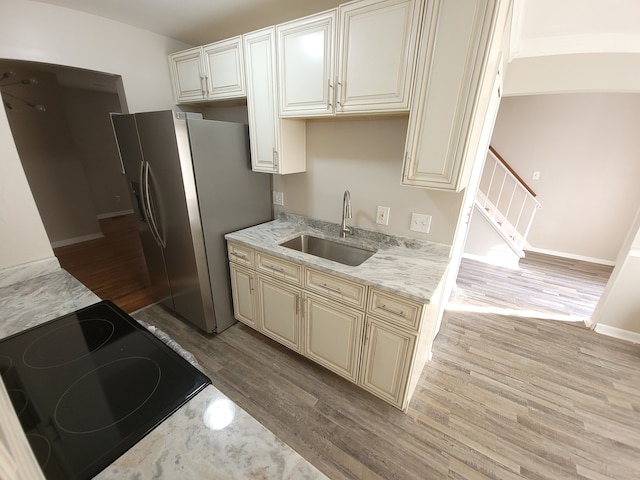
143, 195
153, 226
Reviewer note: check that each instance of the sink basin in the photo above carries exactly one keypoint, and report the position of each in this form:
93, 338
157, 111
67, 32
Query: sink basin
328, 249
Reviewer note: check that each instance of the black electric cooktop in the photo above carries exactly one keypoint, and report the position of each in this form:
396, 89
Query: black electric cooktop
88, 386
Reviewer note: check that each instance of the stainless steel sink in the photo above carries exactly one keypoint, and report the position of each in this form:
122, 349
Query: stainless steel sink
325, 248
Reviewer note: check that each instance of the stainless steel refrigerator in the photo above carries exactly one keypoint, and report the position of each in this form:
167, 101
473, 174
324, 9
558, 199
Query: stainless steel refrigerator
191, 183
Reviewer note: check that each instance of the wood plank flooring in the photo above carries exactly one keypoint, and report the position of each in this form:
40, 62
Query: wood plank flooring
503, 398
544, 286
113, 267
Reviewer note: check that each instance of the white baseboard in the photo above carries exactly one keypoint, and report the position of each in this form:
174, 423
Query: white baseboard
571, 256
71, 241
627, 335
114, 214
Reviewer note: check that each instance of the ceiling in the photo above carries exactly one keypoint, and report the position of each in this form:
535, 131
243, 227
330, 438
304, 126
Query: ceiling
541, 27
198, 22
552, 27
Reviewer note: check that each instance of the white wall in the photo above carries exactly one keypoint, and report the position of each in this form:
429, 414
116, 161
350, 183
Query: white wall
364, 156
44, 33
619, 72
586, 147
22, 233
51, 163
618, 312
87, 114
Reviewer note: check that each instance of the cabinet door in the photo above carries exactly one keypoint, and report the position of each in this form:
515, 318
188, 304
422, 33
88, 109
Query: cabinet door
188, 75
305, 65
333, 336
261, 100
452, 61
242, 292
279, 306
224, 63
386, 361
277, 145
377, 55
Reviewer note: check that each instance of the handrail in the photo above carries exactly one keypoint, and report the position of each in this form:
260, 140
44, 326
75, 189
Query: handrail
506, 200
512, 171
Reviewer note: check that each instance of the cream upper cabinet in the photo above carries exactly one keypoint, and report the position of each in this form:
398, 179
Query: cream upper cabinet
208, 73
305, 65
377, 53
188, 75
224, 63
459, 52
277, 145
362, 65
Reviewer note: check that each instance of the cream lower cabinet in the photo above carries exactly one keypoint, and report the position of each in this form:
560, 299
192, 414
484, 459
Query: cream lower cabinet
332, 335
367, 336
279, 307
243, 284
386, 361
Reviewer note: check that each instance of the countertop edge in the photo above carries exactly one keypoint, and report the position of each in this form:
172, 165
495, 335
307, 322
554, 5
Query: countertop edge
414, 273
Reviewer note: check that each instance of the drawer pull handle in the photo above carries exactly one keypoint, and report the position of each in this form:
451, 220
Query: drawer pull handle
392, 310
239, 255
331, 289
274, 268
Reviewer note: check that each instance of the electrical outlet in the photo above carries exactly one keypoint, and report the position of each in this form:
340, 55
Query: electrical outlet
420, 222
278, 198
382, 217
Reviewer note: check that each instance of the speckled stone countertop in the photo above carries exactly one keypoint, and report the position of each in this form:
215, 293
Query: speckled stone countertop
191, 443
32, 301
409, 267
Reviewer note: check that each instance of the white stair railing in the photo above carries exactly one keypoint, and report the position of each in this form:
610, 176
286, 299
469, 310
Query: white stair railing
507, 201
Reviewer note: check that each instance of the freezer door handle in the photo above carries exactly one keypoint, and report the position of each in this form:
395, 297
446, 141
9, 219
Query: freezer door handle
153, 225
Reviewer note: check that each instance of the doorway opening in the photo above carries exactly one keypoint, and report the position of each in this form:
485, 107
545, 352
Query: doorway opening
59, 119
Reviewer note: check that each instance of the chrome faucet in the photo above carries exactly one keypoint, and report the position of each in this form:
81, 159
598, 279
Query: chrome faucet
346, 213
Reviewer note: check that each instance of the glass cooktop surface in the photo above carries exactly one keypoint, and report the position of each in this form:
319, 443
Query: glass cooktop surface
89, 385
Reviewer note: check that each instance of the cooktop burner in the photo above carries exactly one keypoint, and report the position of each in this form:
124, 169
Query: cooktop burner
89, 385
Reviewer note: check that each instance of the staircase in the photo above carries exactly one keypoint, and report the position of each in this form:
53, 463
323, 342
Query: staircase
506, 202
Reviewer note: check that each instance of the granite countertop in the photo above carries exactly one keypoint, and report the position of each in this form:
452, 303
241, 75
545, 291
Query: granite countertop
405, 266
191, 443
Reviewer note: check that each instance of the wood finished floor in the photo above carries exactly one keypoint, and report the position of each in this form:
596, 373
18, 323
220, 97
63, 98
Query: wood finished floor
544, 286
113, 267
504, 397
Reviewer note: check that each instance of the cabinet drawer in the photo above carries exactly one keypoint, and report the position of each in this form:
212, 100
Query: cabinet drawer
398, 310
336, 288
279, 268
240, 254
